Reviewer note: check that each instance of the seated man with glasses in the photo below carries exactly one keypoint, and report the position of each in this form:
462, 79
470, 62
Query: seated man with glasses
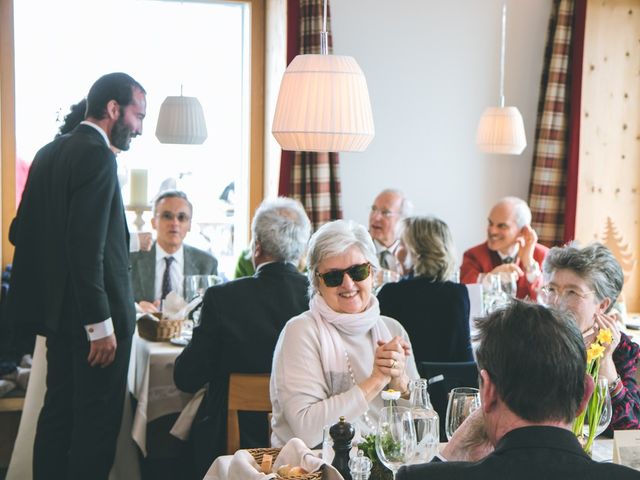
162, 269
587, 281
385, 222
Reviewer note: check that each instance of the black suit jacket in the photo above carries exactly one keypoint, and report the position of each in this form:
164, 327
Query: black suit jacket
528, 453
239, 326
434, 314
71, 239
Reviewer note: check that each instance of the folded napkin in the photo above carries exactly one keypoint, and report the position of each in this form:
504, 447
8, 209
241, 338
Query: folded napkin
242, 465
182, 427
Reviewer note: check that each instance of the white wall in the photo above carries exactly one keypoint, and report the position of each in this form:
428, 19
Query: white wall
432, 66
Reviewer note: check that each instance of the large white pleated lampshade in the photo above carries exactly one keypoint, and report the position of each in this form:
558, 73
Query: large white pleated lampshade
501, 130
181, 120
323, 106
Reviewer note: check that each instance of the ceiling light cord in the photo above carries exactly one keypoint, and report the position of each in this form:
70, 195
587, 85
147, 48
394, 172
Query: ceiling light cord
502, 50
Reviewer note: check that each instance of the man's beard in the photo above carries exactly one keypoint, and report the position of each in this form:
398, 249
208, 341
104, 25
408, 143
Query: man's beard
121, 133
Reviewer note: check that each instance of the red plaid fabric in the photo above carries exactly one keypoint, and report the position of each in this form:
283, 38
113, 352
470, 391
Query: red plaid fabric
549, 169
315, 178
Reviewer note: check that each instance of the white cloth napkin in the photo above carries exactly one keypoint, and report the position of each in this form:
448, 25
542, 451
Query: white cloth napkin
182, 427
242, 466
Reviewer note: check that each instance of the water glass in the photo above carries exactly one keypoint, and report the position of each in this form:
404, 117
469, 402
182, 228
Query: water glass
395, 437
463, 401
196, 285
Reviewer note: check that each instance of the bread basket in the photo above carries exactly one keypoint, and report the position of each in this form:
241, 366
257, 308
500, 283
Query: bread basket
160, 330
258, 453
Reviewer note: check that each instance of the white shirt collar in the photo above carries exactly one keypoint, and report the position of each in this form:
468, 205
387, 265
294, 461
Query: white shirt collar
178, 255
513, 254
99, 129
382, 248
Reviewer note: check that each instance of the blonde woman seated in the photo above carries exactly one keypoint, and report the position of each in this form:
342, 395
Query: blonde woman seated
336, 358
434, 310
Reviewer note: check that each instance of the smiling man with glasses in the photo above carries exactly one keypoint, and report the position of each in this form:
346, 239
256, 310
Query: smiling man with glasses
162, 269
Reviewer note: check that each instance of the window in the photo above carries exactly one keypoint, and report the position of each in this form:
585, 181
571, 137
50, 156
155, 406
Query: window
205, 47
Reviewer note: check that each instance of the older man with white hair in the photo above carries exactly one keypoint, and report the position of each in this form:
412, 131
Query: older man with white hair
388, 209
511, 248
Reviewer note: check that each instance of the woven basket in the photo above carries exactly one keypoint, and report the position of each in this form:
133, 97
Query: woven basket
258, 453
158, 331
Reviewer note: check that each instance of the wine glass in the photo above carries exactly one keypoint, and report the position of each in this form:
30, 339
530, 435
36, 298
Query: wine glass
463, 401
509, 284
601, 391
395, 437
196, 286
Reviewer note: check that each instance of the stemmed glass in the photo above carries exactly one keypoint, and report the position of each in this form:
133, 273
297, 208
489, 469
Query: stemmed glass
463, 401
195, 286
601, 391
395, 437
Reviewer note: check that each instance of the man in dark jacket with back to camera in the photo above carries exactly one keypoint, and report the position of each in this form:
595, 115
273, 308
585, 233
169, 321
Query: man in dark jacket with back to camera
239, 326
532, 364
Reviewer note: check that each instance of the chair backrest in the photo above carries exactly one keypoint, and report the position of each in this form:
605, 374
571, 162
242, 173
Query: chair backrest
443, 377
247, 392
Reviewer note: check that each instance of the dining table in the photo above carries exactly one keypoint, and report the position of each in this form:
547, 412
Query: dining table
150, 383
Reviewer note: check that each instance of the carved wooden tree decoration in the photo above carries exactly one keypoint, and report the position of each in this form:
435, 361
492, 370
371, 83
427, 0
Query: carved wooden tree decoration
614, 241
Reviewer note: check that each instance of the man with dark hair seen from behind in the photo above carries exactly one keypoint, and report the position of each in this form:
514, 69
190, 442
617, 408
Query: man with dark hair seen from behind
71, 283
533, 383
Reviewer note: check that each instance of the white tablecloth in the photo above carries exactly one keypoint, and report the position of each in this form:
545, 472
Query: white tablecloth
151, 383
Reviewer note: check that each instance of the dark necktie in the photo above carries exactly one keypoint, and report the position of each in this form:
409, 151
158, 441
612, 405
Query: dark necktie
384, 259
166, 277
508, 260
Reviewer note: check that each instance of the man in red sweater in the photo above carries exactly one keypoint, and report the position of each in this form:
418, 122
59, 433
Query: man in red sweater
511, 248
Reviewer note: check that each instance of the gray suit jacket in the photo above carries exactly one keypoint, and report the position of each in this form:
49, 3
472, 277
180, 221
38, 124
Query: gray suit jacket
143, 269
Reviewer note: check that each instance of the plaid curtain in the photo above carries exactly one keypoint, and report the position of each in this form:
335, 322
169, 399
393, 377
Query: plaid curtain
314, 177
558, 120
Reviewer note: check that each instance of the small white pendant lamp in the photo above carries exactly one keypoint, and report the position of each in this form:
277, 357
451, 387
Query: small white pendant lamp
501, 129
323, 104
181, 121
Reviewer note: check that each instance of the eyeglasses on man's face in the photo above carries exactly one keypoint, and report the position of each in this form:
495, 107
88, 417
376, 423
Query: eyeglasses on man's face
358, 273
570, 296
386, 213
170, 216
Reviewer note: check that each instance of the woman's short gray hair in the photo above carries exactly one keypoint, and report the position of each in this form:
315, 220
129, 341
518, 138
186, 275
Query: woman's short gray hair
332, 240
282, 228
430, 245
595, 264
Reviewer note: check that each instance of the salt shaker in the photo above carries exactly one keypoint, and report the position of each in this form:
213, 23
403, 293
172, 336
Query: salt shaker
342, 433
360, 467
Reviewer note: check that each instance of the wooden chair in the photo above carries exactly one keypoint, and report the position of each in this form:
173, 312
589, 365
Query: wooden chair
247, 392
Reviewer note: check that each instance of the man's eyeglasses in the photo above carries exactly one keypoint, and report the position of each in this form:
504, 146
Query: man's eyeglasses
169, 216
383, 211
569, 296
358, 273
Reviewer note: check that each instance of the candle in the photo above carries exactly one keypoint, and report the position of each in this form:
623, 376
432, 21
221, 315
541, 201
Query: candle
138, 193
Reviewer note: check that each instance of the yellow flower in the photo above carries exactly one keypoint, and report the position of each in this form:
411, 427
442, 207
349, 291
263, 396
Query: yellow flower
595, 351
604, 337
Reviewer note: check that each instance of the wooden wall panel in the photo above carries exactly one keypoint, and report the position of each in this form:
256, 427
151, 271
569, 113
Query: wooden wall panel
609, 172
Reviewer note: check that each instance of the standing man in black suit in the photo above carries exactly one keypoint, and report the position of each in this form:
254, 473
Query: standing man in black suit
70, 281
533, 384
240, 323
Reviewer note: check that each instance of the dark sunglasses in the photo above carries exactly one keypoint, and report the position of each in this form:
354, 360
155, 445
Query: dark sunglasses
358, 273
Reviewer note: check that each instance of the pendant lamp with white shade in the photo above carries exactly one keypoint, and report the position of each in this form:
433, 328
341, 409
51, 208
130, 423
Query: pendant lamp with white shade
501, 129
181, 121
323, 104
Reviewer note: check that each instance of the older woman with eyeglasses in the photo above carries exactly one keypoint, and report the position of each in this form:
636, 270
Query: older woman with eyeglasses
336, 358
587, 281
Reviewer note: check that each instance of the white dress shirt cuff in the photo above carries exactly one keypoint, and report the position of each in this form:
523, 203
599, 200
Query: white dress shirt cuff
96, 331
134, 243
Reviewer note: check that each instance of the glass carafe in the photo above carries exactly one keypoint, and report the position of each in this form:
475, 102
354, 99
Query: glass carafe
426, 420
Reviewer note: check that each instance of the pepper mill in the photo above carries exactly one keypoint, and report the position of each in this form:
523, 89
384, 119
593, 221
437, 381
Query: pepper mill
342, 433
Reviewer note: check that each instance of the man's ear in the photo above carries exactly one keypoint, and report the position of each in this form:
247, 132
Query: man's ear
488, 392
588, 390
604, 304
113, 110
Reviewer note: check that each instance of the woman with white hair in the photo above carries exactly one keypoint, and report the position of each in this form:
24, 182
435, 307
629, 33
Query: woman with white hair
434, 310
335, 359
587, 281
